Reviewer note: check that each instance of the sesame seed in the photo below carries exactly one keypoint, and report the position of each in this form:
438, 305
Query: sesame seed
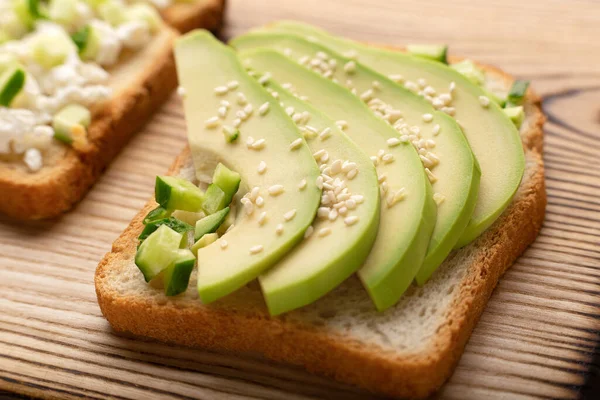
303, 60
367, 95
384, 187
437, 103
410, 85
264, 79
320, 182
279, 229
376, 85
254, 193
323, 212
241, 99
249, 141
429, 91
288, 216
358, 198
375, 160
350, 204
393, 142
212, 122
237, 122
351, 220
259, 201
452, 86
446, 98
256, 249
431, 176
396, 78
350, 175
262, 218
241, 115
449, 110
302, 184
309, 231
350, 67
336, 167
248, 208
343, 125
426, 161
343, 211
223, 243
325, 133
333, 214
181, 91
324, 232
433, 158
222, 111
262, 167
328, 74
348, 166
388, 158
248, 109
276, 190
221, 90
436, 130
225, 103
232, 85
325, 157
421, 82
430, 144
381, 178
438, 198
484, 101
427, 117
259, 144
289, 111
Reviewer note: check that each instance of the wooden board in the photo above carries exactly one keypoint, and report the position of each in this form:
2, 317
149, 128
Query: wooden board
538, 334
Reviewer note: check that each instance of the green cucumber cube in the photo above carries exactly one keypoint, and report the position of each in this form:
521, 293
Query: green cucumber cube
210, 223
11, 83
436, 52
470, 71
516, 115
227, 180
173, 223
204, 241
157, 213
63, 12
177, 275
178, 194
215, 199
516, 94
81, 38
158, 251
70, 119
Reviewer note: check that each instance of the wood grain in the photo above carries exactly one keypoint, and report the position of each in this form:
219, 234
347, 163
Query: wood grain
539, 332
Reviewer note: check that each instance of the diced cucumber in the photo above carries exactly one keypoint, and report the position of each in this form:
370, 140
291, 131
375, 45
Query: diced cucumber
70, 121
171, 222
81, 38
113, 12
63, 12
178, 194
90, 42
470, 70
204, 241
177, 275
158, 251
497, 97
517, 92
188, 216
51, 50
145, 13
210, 223
516, 115
231, 134
436, 52
227, 180
157, 213
215, 199
11, 83
28, 11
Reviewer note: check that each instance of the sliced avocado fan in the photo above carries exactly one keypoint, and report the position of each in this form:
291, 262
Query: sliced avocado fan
220, 97
447, 158
343, 233
492, 135
407, 208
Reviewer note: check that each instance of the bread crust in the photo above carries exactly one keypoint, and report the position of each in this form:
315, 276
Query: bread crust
200, 13
246, 327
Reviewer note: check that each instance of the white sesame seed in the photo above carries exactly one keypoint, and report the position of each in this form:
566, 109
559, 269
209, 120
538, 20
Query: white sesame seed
348, 166
376, 85
225, 103
396, 78
264, 79
438, 198
392, 142
452, 86
232, 85
181, 91
430, 143
351, 220
260, 201
343, 125
350, 204
367, 95
262, 218
336, 167
333, 214
256, 249
241, 99
254, 193
325, 157
309, 231
352, 174
393, 115
303, 60
302, 184
249, 208
318, 153
388, 158
430, 91
262, 167
288, 216
384, 187
296, 144
279, 229
431, 176
222, 111
433, 158
328, 74
484, 101
358, 198
221, 90
446, 98
426, 161
259, 144
249, 141
350, 67
223, 243
324, 232
375, 160
237, 122
436, 130
343, 211
264, 108
248, 109
449, 110
276, 190
320, 182
212, 122
421, 82
410, 85
427, 117
241, 115
323, 212
381, 178
289, 111
325, 133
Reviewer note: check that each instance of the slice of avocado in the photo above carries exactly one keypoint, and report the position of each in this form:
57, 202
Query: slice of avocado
406, 226
174, 193
435, 52
204, 241
12, 80
210, 223
176, 277
341, 237
447, 157
492, 136
212, 77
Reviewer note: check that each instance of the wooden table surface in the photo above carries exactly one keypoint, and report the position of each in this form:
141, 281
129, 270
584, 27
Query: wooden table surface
538, 333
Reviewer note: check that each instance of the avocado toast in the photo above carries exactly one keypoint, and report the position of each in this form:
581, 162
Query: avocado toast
90, 77
406, 351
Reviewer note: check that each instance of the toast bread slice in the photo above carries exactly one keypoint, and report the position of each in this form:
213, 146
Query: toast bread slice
407, 351
186, 16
